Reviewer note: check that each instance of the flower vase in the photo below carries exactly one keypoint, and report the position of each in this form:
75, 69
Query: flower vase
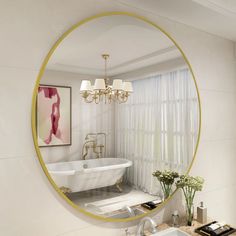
167, 191
189, 214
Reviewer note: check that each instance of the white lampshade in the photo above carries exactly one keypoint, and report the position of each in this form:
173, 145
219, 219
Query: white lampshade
86, 86
99, 84
127, 87
117, 84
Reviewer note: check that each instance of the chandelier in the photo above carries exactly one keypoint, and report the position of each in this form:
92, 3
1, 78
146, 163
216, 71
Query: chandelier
101, 91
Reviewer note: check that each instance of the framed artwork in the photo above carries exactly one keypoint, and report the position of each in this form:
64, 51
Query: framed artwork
53, 115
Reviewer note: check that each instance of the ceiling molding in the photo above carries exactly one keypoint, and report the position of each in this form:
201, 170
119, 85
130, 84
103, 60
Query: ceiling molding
161, 67
145, 57
220, 23
75, 69
115, 69
217, 8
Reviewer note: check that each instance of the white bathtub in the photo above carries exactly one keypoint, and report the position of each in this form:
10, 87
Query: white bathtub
89, 174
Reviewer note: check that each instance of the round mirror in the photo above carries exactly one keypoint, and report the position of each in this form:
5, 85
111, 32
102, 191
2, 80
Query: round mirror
115, 108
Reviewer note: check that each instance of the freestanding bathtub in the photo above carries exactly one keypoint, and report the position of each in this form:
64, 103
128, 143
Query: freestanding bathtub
89, 174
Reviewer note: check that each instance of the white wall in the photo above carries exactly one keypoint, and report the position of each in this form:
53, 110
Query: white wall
86, 118
28, 204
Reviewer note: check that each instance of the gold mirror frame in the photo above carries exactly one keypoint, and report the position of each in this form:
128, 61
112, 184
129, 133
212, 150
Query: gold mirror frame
33, 112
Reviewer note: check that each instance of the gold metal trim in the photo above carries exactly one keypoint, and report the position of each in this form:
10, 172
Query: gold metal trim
118, 185
205, 233
33, 112
65, 189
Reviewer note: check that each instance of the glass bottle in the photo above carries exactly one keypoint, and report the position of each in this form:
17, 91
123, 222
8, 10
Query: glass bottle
175, 219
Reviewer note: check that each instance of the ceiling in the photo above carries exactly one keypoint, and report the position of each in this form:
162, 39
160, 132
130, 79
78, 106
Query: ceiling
81, 51
217, 17
131, 43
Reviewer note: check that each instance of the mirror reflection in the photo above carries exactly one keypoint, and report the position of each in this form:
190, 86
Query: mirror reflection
117, 102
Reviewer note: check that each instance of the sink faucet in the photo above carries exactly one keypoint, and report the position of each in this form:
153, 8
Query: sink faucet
140, 230
130, 210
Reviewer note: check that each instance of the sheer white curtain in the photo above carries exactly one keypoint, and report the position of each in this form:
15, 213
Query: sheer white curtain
95, 118
157, 128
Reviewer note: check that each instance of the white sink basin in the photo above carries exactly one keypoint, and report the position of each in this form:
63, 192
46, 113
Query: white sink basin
171, 232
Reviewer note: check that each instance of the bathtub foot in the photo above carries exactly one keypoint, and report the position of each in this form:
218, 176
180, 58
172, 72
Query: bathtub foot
65, 190
118, 183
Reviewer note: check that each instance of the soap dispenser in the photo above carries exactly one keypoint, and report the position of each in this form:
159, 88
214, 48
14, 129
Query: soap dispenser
201, 213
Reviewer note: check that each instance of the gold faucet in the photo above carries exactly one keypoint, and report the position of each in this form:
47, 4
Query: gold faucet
86, 148
92, 143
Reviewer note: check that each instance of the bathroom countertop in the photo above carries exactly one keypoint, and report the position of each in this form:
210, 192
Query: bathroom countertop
188, 229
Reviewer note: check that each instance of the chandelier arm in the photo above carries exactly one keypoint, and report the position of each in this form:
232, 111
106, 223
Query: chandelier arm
97, 97
88, 101
122, 97
86, 95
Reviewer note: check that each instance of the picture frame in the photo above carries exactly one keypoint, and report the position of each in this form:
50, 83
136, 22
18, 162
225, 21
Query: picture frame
53, 115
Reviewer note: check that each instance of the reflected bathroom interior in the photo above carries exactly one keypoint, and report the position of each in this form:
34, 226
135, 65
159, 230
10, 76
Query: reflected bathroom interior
118, 141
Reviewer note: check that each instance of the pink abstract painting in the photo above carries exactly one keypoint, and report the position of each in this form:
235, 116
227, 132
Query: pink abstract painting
54, 115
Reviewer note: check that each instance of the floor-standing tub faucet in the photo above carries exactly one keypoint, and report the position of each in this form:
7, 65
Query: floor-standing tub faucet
91, 141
